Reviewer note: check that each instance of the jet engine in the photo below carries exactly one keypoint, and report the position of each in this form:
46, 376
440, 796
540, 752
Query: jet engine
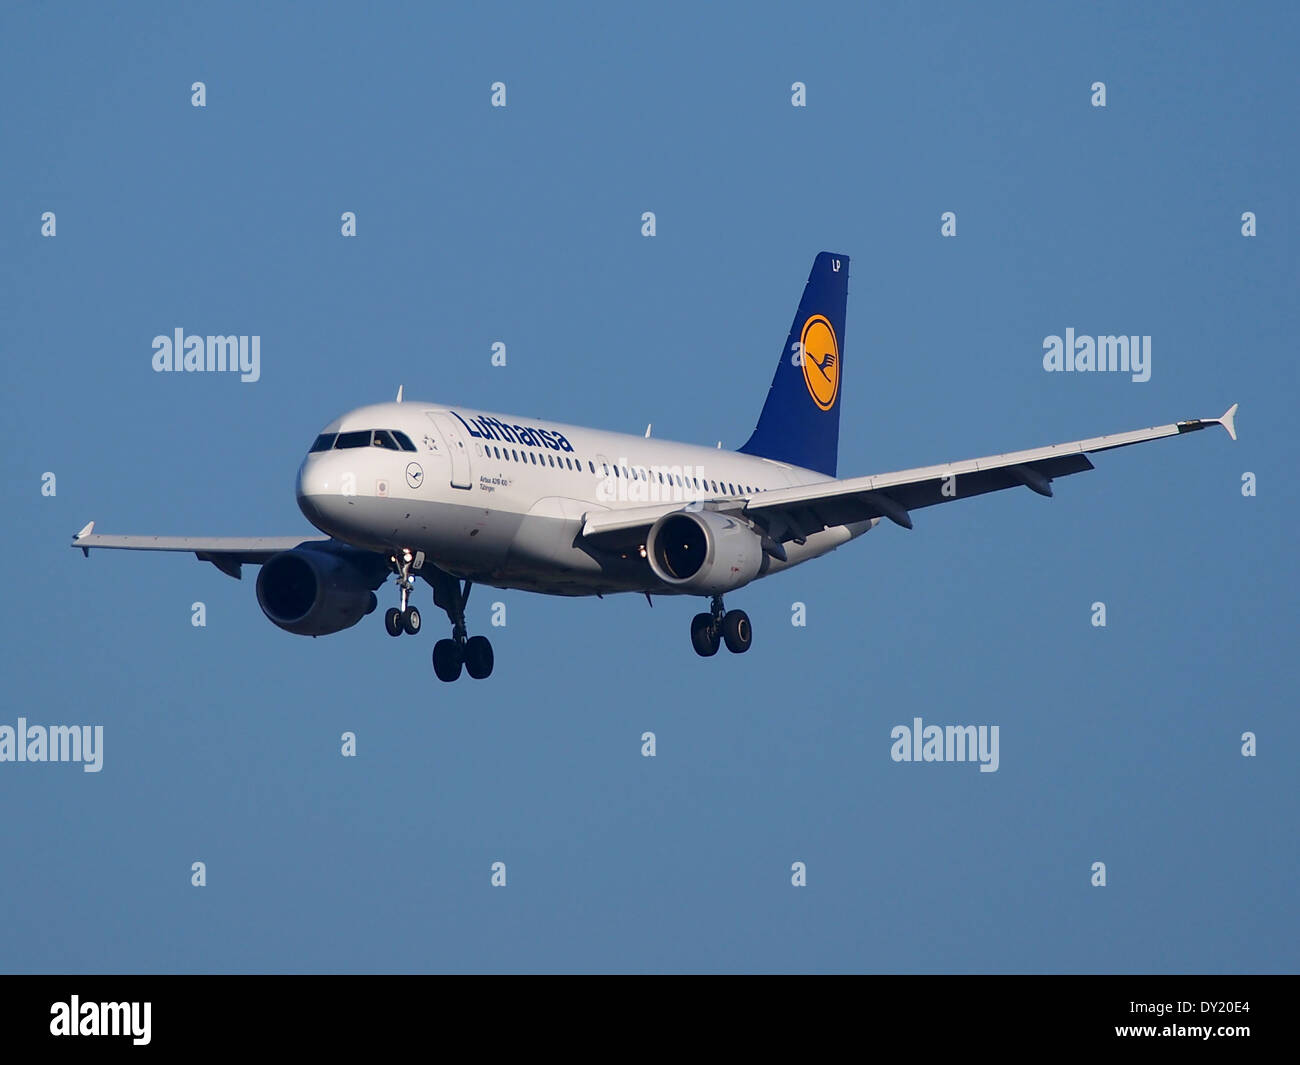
313, 593
704, 552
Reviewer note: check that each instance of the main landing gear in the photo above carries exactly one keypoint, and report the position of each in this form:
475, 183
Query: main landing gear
406, 618
710, 630
473, 653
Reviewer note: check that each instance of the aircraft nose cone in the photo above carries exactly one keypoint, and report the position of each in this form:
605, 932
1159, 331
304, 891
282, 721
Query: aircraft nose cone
317, 486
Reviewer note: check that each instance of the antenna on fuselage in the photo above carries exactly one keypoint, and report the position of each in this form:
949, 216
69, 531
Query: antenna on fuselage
399, 393
647, 429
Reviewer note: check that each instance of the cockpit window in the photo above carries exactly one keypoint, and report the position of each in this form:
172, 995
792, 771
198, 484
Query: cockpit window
323, 442
361, 438
403, 440
383, 438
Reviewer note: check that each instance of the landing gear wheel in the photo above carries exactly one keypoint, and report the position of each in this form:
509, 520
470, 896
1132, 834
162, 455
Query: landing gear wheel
447, 660
737, 631
411, 622
478, 657
704, 637
393, 621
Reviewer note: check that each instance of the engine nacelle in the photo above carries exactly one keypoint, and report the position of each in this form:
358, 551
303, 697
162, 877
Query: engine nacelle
704, 552
313, 593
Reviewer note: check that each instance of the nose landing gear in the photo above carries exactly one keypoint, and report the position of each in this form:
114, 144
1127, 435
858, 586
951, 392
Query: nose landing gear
406, 618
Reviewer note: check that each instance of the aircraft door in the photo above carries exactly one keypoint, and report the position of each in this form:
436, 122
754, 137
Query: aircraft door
454, 438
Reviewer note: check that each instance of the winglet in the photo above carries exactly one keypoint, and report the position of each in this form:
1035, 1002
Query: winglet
90, 527
1228, 420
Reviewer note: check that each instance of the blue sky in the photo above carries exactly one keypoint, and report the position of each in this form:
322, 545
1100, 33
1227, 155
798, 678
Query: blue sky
1119, 744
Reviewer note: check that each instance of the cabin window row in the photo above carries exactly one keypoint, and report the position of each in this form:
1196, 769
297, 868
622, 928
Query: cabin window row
563, 462
633, 473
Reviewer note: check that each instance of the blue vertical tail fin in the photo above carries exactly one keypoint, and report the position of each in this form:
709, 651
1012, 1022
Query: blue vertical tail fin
800, 423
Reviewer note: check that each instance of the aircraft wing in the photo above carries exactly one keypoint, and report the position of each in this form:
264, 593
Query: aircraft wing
796, 513
227, 553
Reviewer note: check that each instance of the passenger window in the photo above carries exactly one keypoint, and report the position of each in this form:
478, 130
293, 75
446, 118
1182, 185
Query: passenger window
533, 456
357, 439
323, 442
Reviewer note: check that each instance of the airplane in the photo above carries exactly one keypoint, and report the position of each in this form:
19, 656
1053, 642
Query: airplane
460, 496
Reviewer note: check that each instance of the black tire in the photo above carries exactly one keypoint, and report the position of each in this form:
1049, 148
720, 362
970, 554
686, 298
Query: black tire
704, 638
737, 631
411, 621
478, 657
447, 660
393, 621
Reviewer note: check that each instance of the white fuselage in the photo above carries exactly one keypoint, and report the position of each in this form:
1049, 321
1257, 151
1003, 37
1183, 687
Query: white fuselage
502, 499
